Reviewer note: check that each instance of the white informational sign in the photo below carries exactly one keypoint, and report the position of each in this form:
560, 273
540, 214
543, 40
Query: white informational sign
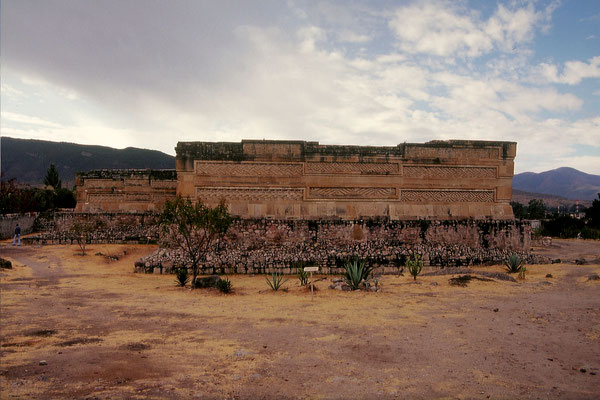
312, 288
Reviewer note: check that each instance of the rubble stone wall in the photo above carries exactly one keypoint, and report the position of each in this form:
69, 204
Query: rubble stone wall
53, 228
266, 246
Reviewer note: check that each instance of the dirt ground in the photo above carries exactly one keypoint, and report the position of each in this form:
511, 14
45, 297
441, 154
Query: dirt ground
107, 333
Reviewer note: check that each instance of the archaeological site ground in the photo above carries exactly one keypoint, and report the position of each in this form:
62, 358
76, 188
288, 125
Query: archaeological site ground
102, 331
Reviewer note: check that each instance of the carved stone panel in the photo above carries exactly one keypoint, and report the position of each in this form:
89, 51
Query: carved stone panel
453, 153
248, 193
448, 172
104, 196
138, 197
352, 193
351, 168
164, 184
447, 196
248, 169
124, 197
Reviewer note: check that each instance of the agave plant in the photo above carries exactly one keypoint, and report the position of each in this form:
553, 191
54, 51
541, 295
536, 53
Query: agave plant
181, 276
224, 285
276, 281
414, 265
356, 271
302, 276
514, 264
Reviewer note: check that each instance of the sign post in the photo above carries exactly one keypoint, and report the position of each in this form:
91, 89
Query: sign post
311, 270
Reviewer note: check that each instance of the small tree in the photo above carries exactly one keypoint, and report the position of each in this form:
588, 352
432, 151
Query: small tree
193, 228
536, 209
592, 214
519, 210
52, 178
81, 233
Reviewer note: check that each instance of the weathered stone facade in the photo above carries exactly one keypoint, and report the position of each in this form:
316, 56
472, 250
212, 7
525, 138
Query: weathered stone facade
438, 180
124, 190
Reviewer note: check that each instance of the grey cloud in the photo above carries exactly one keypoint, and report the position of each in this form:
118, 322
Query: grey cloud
215, 70
175, 50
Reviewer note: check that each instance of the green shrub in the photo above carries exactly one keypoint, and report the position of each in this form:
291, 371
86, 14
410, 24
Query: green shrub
356, 271
414, 265
5, 264
590, 233
400, 263
224, 285
276, 281
513, 264
181, 276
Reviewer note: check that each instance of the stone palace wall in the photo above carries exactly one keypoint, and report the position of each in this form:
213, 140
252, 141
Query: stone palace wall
438, 180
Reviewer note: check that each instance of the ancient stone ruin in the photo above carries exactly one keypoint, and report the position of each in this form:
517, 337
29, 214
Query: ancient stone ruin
438, 180
298, 201
130, 190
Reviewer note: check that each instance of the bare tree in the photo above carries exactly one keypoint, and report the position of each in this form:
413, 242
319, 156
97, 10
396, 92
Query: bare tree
81, 232
193, 228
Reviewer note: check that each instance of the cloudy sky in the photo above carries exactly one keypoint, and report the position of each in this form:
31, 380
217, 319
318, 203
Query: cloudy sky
149, 73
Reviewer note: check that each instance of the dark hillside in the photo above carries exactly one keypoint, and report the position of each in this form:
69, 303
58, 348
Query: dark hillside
28, 160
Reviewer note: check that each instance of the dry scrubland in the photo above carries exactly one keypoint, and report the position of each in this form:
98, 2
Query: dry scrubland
108, 333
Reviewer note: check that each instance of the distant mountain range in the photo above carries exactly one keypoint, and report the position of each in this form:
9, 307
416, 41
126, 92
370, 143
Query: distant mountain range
565, 182
28, 160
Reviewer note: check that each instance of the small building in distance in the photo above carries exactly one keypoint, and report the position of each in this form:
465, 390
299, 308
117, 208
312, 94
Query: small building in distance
124, 190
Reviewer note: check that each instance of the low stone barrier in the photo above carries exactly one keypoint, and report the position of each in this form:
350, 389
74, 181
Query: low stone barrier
266, 246
254, 246
53, 228
8, 223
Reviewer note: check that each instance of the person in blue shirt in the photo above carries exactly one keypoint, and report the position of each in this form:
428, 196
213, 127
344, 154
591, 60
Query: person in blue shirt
17, 237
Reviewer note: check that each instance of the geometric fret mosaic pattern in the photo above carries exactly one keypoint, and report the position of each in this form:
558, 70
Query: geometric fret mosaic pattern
446, 196
249, 193
351, 168
448, 172
248, 169
351, 193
